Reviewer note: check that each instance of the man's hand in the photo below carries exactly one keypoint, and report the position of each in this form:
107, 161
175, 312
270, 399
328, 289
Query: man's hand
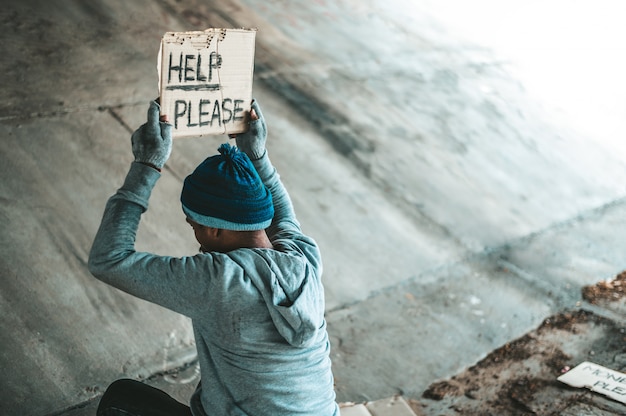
252, 142
152, 142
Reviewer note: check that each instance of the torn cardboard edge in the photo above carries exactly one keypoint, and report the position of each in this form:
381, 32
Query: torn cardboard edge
597, 378
205, 80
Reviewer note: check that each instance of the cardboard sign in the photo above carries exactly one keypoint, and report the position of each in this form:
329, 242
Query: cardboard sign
205, 80
597, 378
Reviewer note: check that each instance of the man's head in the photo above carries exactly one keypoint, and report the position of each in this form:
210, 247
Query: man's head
225, 192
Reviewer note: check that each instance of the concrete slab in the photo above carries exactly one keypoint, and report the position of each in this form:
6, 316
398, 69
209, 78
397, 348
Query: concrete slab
393, 406
492, 153
416, 331
64, 326
69, 56
573, 254
355, 410
455, 209
401, 339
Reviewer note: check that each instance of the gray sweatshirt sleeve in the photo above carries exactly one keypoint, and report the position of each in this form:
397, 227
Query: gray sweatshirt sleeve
285, 228
179, 284
284, 215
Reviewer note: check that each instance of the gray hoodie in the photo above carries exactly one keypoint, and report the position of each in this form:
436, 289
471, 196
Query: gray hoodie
257, 314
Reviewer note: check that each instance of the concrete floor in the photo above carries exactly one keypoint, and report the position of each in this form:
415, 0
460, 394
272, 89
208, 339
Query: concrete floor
463, 170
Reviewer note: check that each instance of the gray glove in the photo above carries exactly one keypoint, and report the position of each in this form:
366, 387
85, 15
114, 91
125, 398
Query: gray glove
152, 142
252, 142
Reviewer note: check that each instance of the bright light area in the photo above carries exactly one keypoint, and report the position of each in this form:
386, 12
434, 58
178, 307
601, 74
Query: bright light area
568, 54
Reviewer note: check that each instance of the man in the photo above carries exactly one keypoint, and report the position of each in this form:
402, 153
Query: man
254, 293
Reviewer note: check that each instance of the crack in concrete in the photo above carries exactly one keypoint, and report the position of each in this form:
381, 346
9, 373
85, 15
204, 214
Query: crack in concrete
64, 111
550, 291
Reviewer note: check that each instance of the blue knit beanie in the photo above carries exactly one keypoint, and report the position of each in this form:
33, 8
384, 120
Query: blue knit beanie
225, 191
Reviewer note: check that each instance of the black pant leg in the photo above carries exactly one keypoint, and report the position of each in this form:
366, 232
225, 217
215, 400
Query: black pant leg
127, 397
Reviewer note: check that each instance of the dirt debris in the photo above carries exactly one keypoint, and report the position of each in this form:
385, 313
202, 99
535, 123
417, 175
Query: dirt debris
567, 321
607, 290
441, 389
522, 392
519, 378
